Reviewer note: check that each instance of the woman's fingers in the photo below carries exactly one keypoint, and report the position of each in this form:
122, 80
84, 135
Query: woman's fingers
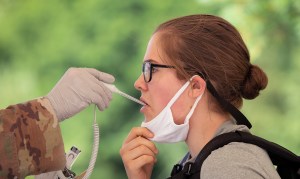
138, 153
137, 150
140, 162
138, 131
140, 141
137, 147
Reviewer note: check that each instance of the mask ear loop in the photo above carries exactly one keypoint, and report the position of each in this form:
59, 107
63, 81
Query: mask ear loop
237, 114
194, 105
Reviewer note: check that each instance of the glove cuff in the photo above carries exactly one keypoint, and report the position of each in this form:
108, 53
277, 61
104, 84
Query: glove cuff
52, 102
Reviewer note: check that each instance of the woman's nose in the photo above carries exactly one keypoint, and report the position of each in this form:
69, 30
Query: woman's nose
140, 83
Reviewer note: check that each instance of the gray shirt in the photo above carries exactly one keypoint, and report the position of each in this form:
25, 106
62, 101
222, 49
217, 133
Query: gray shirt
237, 160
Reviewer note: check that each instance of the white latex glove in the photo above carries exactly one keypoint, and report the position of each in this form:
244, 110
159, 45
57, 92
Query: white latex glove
77, 89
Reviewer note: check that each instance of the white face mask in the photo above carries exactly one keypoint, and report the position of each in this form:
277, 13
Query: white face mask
163, 126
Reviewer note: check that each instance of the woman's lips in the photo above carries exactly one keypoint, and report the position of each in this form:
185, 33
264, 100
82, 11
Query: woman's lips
144, 101
143, 108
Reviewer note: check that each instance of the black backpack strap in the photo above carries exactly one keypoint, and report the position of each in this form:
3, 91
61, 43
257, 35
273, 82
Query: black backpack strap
287, 162
189, 171
281, 157
179, 166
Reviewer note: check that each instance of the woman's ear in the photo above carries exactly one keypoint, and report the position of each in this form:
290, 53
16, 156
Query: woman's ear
198, 86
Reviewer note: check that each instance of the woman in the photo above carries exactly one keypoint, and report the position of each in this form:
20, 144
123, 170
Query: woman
196, 71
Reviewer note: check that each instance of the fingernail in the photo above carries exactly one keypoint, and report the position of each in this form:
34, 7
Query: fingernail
151, 134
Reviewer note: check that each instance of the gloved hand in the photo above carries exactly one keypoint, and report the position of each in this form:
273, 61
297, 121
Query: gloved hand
77, 89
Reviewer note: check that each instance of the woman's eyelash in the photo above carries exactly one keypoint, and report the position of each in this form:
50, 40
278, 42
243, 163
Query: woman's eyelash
154, 69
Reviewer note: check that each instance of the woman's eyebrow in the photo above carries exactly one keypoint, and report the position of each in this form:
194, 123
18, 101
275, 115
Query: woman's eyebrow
151, 60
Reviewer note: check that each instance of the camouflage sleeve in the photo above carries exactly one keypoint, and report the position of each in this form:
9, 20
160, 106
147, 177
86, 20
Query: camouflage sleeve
30, 140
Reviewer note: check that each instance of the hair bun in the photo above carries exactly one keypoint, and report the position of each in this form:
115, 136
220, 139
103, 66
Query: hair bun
255, 81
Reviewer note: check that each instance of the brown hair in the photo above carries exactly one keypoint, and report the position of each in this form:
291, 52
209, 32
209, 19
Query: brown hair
212, 46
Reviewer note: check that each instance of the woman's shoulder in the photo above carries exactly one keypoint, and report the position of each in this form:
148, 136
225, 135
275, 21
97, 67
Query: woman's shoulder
236, 160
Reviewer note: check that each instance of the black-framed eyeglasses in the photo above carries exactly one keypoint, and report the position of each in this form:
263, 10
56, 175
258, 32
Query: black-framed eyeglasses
148, 68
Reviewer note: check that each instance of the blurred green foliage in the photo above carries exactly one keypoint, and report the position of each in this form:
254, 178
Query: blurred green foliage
40, 40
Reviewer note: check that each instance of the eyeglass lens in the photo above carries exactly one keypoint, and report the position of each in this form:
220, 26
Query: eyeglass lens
147, 71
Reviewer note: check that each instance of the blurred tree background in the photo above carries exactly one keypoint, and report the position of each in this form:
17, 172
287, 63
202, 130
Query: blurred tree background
40, 40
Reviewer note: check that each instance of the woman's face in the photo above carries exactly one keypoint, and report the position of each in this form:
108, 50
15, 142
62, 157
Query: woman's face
162, 87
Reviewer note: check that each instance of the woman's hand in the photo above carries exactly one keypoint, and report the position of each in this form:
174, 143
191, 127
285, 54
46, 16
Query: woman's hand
139, 153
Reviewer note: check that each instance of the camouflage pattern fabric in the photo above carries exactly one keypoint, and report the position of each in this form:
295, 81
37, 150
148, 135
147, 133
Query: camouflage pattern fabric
30, 140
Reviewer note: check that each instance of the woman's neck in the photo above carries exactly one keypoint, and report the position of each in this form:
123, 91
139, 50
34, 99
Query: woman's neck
203, 126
